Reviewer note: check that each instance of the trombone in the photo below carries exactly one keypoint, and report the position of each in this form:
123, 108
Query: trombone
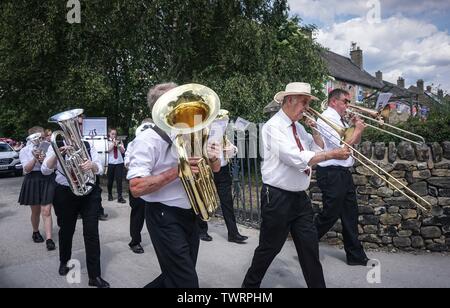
379, 118
345, 134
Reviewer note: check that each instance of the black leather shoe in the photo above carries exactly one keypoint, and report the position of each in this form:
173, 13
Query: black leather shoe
240, 239
37, 237
103, 217
121, 200
99, 283
206, 237
63, 269
137, 249
50, 245
362, 262
110, 198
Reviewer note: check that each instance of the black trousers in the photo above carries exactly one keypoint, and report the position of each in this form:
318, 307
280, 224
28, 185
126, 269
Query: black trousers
339, 201
223, 182
67, 207
101, 210
115, 172
283, 212
137, 219
174, 234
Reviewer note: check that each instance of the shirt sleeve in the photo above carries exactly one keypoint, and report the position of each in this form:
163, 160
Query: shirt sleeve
142, 159
44, 168
96, 160
25, 156
126, 159
288, 152
309, 140
330, 137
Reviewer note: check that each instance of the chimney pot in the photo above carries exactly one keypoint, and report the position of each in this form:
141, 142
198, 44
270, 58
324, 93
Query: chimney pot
420, 86
379, 76
401, 82
357, 56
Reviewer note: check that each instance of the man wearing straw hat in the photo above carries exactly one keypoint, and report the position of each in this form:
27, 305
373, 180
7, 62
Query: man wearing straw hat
289, 154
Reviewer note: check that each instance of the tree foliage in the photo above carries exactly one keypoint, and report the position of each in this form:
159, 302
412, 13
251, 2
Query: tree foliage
246, 50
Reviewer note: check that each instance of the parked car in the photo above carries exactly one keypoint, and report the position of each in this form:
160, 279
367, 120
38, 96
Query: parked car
9, 160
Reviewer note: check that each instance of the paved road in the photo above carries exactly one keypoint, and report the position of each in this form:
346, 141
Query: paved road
221, 264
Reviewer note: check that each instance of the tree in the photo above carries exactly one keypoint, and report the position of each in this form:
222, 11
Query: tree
246, 50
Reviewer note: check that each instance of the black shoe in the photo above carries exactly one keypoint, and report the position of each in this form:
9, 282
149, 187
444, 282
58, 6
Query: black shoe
206, 237
99, 283
37, 237
121, 200
63, 269
110, 198
362, 262
103, 217
50, 245
137, 249
240, 239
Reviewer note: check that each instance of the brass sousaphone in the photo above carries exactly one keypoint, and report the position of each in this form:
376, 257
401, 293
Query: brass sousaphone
187, 111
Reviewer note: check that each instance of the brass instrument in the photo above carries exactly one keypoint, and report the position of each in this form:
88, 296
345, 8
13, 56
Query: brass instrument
37, 140
81, 183
187, 111
346, 134
379, 118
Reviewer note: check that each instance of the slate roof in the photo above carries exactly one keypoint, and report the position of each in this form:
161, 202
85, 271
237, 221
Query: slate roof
342, 68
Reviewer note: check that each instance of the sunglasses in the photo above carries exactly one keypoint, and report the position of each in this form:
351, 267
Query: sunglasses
346, 101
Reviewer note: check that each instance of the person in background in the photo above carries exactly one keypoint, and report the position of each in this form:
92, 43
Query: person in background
37, 190
116, 150
223, 182
137, 216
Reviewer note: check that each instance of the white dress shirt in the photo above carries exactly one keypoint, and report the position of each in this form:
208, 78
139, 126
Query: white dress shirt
150, 155
331, 138
111, 159
60, 177
26, 156
284, 164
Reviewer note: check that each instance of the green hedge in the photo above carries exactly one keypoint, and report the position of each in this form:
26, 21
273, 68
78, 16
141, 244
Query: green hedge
435, 129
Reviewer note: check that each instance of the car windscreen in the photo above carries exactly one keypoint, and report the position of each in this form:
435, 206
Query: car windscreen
5, 148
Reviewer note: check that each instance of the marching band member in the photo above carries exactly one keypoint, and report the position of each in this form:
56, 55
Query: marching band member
37, 190
116, 150
172, 223
137, 216
67, 208
336, 182
289, 154
223, 182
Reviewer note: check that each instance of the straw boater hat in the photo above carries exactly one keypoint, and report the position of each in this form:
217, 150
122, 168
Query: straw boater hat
295, 88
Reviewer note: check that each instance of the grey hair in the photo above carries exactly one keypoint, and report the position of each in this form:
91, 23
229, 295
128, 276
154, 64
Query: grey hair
157, 91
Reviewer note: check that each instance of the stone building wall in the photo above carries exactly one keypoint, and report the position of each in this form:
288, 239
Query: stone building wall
386, 218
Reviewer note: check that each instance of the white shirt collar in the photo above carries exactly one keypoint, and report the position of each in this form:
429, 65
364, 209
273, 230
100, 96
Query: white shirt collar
284, 118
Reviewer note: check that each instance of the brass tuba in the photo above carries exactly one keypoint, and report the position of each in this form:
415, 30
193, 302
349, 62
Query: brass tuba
81, 183
187, 111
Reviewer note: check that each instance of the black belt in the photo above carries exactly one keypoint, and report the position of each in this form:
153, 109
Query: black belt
334, 168
286, 191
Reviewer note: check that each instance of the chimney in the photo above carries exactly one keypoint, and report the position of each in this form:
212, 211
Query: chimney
441, 94
429, 89
356, 54
420, 86
401, 82
379, 76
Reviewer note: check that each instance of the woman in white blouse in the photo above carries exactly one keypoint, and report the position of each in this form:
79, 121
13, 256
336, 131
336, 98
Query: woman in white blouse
37, 190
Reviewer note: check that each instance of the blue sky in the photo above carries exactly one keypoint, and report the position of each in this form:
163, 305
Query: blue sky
407, 38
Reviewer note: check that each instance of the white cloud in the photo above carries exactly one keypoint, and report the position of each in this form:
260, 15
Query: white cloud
398, 46
328, 11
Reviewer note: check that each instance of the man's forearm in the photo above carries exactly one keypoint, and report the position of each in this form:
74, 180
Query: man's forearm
318, 140
143, 186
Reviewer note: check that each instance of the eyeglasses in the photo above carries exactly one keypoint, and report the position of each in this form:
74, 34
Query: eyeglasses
346, 101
